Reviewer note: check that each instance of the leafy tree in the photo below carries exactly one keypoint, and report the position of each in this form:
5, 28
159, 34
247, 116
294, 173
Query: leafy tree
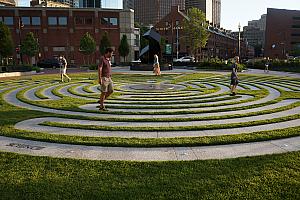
30, 45
195, 28
143, 42
104, 43
6, 42
87, 45
124, 47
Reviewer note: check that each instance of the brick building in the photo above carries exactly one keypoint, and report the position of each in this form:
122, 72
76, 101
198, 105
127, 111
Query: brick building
59, 30
282, 33
221, 43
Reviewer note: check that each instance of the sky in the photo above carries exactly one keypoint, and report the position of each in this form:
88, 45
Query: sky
240, 11
235, 11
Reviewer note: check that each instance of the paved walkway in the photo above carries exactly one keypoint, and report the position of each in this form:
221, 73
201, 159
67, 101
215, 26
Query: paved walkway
148, 154
37, 148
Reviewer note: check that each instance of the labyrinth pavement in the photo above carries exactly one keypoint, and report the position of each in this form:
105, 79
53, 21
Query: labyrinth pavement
152, 110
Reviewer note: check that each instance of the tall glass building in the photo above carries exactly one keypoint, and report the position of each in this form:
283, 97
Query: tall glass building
115, 4
112, 4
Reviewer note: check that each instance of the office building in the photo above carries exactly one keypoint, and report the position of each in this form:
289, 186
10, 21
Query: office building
211, 8
54, 3
151, 12
282, 33
128, 4
254, 33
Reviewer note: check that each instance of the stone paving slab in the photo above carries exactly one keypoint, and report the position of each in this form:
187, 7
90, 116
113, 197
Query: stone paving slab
48, 93
146, 154
11, 98
148, 107
33, 125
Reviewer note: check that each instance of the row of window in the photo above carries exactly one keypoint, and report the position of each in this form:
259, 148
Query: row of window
59, 21
104, 20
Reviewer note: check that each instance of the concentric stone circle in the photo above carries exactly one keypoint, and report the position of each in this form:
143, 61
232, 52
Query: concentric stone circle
158, 110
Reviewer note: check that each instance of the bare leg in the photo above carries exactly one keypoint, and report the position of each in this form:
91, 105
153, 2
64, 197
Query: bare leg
234, 88
67, 77
231, 88
107, 95
102, 98
62, 78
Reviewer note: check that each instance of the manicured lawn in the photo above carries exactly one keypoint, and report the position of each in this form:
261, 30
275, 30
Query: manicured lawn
265, 177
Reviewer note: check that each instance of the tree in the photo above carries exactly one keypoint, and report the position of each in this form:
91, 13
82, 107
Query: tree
6, 42
87, 45
195, 27
124, 47
143, 41
30, 46
104, 43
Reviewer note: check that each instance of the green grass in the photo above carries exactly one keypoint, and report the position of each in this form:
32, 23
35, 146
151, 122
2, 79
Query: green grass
273, 177
172, 128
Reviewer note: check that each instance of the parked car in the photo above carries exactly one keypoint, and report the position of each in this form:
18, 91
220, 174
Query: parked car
48, 63
185, 59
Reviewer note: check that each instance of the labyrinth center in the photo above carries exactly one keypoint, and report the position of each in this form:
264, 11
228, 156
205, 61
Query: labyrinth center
177, 117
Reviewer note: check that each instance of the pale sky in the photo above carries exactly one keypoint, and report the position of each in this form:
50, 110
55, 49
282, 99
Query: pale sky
235, 11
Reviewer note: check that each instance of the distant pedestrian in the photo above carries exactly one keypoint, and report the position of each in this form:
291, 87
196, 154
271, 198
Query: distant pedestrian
156, 67
63, 68
104, 76
267, 65
234, 76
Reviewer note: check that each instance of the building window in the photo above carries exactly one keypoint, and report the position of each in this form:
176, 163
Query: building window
89, 20
36, 21
296, 26
26, 20
62, 21
79, 20
1, 20
52, 21
113, 21
9, 20
296, 18
104, 20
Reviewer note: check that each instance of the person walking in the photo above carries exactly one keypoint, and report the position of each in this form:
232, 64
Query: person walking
267, 64
104, 77
63, 68
234, 77
156, 67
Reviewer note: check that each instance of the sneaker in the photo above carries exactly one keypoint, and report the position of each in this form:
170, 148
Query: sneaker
102, 108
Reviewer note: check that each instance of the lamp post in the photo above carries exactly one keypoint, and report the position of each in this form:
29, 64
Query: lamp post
239, 43
177, 39
20, 26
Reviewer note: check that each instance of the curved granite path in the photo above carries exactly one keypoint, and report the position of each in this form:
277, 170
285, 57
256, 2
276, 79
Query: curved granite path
144, 105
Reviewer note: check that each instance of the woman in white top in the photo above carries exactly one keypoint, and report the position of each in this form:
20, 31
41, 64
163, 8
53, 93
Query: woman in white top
64, 64
156, 67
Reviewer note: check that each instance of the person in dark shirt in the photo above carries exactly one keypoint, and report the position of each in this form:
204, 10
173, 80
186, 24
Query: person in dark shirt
267, 64
234, 77
104, 77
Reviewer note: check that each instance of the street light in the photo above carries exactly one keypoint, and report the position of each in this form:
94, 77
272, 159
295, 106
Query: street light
177, 39
20, 26
239, 43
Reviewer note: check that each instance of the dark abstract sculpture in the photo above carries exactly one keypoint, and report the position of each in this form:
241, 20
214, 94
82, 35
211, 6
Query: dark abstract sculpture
147, 54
